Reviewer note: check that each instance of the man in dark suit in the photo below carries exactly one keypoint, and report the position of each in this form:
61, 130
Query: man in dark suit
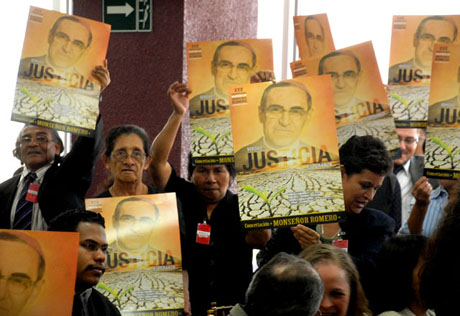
49, 183
53, 183
409, 168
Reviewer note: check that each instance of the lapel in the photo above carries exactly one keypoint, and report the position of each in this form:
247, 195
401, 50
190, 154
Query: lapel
416, 168
6, 200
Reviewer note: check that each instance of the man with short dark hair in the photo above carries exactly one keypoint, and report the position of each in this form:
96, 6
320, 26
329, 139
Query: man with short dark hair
92, 255
22, 266
233, 63
49, 182
285, 286
432, 29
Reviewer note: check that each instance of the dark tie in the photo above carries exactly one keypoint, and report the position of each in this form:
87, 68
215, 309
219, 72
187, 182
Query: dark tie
23, 216
397, 169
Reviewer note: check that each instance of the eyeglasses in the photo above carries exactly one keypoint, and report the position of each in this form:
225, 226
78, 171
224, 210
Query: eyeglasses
64, 39
40, 139
93, 246
17, 284
277, 111
350, 75
427, 37
228, 66
121, 155
408, 140
312, 36
131, 220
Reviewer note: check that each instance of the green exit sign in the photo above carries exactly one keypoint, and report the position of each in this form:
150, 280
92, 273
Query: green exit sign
128, 15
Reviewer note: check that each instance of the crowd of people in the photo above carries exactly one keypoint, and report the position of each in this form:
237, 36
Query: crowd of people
395, 263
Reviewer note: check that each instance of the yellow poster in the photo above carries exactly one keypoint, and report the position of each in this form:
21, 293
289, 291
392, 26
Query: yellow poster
313, 35
144, 265
286, 153
213, 67
412, 42
38, 271
442, 155
360, 100
55, 87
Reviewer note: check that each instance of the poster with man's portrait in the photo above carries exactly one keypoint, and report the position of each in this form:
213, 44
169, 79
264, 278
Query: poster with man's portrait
409, 76
360, 100
37, 271
286, 153
55, 87
144, 261
313, 35
214, 67
442, 152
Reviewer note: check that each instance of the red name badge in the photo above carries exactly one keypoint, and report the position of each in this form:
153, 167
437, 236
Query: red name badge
32, 193
203, 234
341, 244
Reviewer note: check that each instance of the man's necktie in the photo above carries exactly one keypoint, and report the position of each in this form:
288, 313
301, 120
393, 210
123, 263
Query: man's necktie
23, 216
397, 169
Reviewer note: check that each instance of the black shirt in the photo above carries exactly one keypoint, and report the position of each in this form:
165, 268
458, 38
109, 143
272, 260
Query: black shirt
221, 271
366, 232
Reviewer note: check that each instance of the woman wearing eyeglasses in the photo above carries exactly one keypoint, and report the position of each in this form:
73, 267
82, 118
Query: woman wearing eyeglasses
126, 157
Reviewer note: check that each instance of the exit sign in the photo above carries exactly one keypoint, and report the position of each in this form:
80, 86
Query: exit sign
128, 15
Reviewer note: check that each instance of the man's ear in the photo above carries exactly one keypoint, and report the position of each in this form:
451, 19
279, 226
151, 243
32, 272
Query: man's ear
415, 41
342, 170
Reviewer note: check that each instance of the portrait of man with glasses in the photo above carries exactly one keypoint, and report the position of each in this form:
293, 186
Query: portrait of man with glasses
21, 274
446, 112
432, 29
134, 222
314, 36
68, 40
233, 63
345, 69
283, 111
